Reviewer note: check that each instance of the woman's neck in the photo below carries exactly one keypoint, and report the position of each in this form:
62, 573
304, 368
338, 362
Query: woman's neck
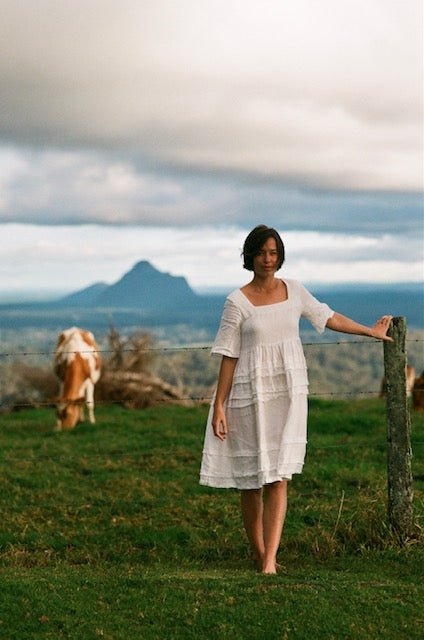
266, 284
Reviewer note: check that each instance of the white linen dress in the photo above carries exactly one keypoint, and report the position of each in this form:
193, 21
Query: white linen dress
266, 408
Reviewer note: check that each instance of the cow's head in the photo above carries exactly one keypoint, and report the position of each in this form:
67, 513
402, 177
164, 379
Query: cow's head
68, 412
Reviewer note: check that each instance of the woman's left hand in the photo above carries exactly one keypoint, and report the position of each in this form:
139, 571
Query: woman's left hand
379, 330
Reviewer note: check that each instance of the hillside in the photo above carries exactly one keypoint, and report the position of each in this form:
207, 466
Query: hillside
86, 296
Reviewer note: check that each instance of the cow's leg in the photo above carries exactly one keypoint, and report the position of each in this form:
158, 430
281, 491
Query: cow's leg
58, 425
89, 395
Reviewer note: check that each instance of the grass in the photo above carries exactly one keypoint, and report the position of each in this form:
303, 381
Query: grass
105, 533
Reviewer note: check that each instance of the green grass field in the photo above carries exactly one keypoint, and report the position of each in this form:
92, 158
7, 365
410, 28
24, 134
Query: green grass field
105, 533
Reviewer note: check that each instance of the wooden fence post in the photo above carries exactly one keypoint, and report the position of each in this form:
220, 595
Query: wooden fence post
398, 431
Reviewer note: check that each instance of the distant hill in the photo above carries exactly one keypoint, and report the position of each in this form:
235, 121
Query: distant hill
89, 295
143, 287
166, 305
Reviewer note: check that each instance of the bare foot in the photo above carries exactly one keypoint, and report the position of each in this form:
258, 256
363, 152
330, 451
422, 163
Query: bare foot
269, 568
272, 568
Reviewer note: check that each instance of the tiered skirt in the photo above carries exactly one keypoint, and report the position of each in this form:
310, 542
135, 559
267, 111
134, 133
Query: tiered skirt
266, 413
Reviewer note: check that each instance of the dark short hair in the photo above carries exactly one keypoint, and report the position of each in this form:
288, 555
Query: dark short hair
256, 240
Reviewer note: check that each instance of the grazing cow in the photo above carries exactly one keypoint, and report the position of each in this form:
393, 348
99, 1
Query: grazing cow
410, 381
77, 365
418, 393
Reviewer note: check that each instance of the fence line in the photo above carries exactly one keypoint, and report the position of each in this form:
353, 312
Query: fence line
204, 399
185, 348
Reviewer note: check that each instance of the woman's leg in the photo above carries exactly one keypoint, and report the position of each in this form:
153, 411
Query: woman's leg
274, 513
252, 512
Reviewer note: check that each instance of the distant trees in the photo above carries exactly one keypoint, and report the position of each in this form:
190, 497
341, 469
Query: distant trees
127, 378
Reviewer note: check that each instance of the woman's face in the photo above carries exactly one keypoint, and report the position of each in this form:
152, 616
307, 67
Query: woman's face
265, 263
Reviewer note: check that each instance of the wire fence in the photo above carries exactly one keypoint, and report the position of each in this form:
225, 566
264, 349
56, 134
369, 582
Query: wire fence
182, 348
16, 355
191, 399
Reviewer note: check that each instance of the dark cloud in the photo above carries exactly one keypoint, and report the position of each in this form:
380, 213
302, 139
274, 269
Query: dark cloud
62, 187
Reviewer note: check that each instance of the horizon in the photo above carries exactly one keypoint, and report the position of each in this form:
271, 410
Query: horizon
363, 301
47, 295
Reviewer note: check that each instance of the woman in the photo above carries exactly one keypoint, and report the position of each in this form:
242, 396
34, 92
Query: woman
256, 433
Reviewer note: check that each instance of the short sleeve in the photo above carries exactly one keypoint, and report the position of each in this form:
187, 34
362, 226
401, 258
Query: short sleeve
227, 341
316, 312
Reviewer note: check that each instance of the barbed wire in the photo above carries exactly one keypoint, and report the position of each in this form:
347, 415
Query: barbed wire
36, 404
187, 348
100, 351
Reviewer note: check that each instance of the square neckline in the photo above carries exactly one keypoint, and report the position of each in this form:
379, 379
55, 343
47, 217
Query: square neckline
271, 304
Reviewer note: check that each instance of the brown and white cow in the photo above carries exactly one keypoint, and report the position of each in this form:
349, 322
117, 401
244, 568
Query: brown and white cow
77, 364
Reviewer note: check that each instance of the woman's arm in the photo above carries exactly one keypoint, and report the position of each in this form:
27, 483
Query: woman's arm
345, 325
225, 380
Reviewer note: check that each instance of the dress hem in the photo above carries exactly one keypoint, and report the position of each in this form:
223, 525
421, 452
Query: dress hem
243, 483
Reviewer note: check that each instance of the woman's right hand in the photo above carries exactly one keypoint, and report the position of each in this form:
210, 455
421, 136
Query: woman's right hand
225, 380
219, 423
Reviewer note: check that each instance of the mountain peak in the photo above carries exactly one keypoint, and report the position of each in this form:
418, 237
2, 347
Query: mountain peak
143, 265
144, 287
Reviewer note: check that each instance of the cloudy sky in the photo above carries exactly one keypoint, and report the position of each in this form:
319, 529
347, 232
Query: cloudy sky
166, 129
